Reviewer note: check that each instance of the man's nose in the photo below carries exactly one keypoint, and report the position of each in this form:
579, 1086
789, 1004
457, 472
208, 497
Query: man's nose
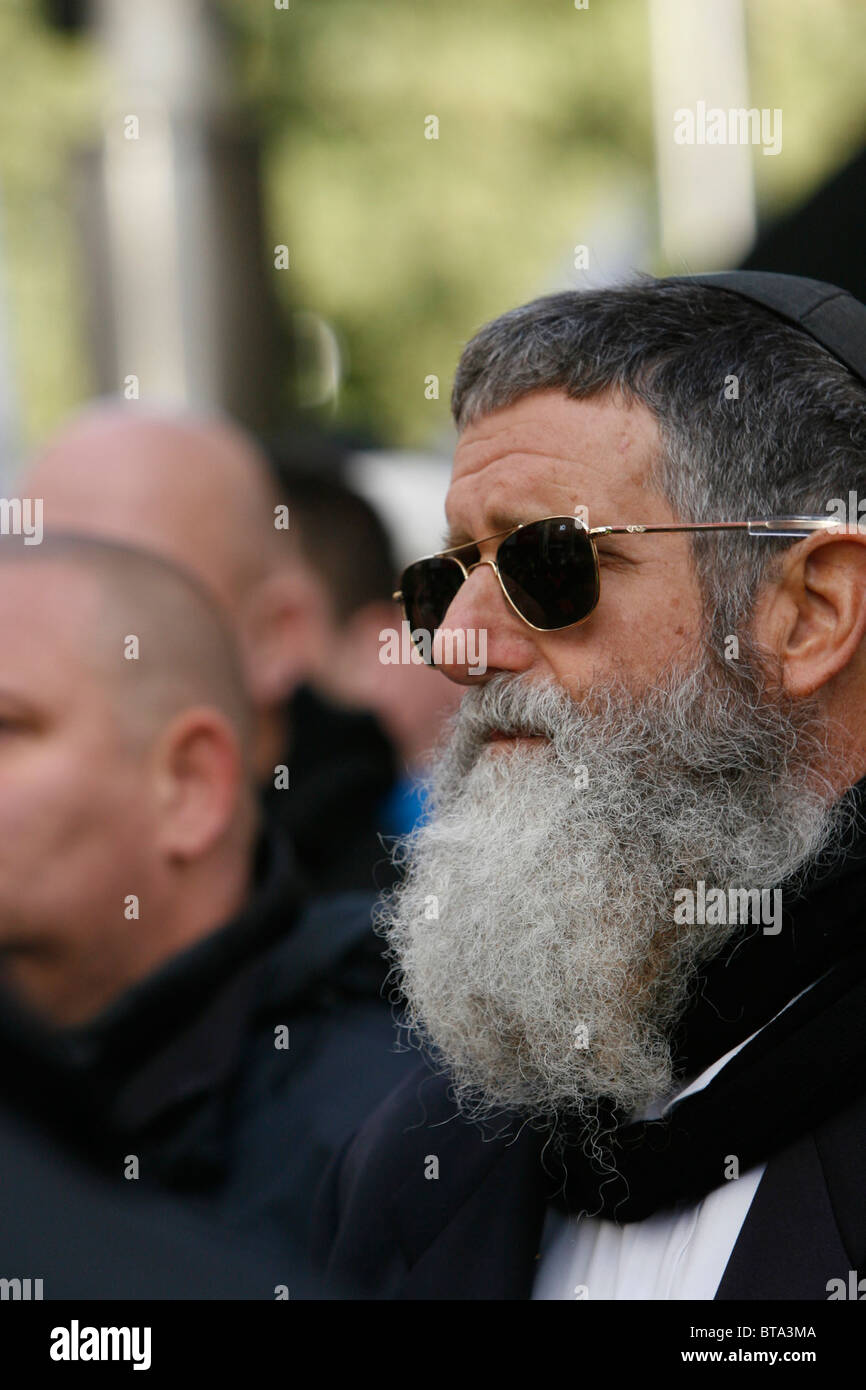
481, 634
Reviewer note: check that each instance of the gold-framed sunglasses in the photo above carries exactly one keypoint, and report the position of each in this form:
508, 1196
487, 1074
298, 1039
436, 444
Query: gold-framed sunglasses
548, 570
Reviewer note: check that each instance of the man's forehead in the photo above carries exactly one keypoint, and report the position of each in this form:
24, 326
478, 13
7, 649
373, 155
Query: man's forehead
550, 452
48, 592
50, 627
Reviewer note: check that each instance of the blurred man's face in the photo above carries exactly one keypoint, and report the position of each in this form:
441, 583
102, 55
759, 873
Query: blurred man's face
593, 773
74, 831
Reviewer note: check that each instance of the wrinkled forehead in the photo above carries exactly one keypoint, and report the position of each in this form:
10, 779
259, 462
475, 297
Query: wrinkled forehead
547, 454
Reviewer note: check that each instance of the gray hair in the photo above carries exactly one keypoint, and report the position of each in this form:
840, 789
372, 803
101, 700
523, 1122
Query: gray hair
793, 439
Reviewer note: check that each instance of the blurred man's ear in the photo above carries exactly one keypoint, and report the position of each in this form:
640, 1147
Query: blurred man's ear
283, 634
199, 782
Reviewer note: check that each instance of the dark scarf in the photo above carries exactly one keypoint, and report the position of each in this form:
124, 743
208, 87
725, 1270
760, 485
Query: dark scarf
150, 1014
69, 1078
342, 768
803, 1067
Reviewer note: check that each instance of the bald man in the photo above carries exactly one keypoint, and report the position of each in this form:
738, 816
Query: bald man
123, 746
149, 926
199, 492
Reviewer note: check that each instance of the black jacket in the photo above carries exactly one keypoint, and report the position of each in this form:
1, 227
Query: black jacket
342, 767
184, 1074
83, 1235
387, 1225
389, 1231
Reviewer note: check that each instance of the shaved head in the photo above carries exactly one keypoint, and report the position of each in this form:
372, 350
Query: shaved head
145, 627
125, 769
197, 492
192, 489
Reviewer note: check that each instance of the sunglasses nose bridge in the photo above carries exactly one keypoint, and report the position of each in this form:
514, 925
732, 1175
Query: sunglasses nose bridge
478, 563
493, 565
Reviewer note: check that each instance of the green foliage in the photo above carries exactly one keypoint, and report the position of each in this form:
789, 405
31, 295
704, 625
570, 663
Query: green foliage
46, 108
405, 245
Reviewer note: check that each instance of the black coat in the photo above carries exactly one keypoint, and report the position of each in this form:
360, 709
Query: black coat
389, 1227
389, 1231
183, 1072
82, 1235
342, 767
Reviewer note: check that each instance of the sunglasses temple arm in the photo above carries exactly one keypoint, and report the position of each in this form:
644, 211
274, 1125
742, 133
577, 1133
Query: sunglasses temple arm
791, 526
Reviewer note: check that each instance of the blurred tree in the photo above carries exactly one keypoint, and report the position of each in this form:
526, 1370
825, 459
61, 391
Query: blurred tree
46, 105
405, 244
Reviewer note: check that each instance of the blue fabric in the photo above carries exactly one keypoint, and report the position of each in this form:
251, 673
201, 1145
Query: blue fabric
404, 807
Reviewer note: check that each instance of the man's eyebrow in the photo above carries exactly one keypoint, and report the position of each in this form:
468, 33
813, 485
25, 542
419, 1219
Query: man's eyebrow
495, 523
454, 536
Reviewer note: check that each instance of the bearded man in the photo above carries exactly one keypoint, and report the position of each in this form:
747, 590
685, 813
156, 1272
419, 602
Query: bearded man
629, 935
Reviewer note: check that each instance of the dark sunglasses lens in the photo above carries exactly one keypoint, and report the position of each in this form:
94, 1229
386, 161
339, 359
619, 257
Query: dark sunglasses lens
549, 572
429, 588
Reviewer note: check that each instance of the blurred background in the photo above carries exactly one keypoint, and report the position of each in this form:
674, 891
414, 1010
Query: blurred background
300, 210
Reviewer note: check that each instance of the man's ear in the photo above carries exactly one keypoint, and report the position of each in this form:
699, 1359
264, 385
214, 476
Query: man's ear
813, 616
283, 634
199, 781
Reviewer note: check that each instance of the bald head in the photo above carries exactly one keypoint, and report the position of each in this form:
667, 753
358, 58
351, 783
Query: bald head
146, 629
124, 769
197, 491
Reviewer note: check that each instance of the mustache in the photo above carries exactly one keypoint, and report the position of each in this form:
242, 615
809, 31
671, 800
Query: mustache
735, 724
515, 706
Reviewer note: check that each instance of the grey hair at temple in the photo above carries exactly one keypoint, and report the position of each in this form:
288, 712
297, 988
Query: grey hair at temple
792, 439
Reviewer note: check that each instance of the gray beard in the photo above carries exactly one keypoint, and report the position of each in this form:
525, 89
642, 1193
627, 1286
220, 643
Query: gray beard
533, 936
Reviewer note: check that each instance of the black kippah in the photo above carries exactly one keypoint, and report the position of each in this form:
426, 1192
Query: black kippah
833, 317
